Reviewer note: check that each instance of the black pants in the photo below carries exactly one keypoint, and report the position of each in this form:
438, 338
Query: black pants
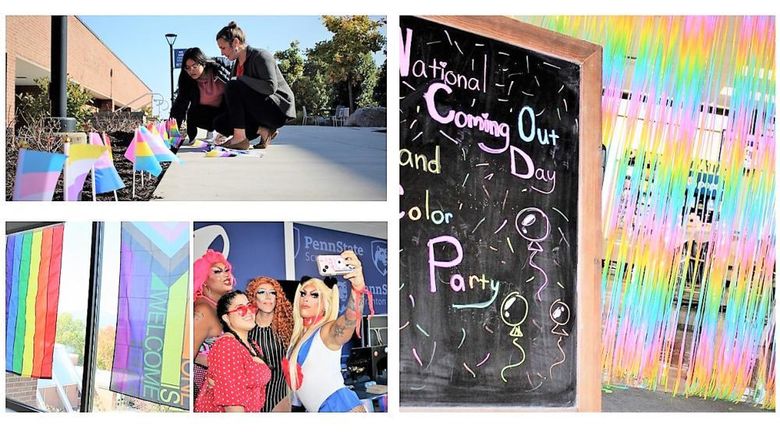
247, 109
201, 116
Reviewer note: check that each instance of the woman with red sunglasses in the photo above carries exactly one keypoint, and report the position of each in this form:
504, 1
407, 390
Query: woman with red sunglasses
237, 375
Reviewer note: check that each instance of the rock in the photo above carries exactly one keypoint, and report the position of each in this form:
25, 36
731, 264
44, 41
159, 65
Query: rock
368, 117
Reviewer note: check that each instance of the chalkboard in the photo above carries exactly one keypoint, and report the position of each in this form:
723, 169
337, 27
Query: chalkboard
490, 221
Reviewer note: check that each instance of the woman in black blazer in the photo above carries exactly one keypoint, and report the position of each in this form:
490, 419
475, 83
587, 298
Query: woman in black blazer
200, 97
259, 100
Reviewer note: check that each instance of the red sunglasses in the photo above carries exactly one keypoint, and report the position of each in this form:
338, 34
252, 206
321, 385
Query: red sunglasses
245, 309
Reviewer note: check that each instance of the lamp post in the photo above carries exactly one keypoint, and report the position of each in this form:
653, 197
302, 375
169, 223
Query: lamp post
171, 39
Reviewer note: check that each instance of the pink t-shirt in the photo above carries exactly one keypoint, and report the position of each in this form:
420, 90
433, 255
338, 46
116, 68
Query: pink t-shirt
211, 90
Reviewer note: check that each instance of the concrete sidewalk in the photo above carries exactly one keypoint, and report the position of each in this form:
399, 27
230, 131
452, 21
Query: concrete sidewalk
641, 400
303, 163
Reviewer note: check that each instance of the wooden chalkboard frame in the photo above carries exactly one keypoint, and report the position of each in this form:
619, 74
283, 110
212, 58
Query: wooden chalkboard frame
589, 57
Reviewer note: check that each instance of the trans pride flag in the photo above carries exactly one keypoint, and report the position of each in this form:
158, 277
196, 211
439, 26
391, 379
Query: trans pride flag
107, 178
151, 353
33, 262
37, 173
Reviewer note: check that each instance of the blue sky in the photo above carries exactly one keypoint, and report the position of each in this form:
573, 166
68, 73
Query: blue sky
139, 41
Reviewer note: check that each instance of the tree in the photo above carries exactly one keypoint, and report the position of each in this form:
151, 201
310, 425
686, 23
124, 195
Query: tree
353, 38
380, 91
291, 62
313, 89
71, 332
368, 71
36, 106
105, 350
363, 91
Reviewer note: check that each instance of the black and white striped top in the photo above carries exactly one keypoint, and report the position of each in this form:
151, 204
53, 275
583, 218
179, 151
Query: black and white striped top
273, 352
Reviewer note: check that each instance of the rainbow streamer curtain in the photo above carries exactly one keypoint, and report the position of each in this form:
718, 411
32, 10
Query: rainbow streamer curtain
33, 262
151, 354
688, 202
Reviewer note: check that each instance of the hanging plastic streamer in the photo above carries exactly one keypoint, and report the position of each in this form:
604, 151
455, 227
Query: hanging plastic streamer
688, 202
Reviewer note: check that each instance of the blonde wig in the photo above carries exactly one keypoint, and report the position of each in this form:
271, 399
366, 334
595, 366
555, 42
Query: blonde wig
329, 309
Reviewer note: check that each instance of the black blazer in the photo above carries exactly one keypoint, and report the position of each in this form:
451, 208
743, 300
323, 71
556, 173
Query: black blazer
188, 93
263, 75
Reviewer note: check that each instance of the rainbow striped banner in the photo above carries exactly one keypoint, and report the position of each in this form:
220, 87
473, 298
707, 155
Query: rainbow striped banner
37, 173
688, 211
142, 156
33, 262
151, 353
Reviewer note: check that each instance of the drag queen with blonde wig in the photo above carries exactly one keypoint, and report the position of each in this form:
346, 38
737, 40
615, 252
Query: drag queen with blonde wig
313, 366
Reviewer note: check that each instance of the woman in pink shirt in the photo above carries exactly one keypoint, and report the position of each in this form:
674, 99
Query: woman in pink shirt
201, 92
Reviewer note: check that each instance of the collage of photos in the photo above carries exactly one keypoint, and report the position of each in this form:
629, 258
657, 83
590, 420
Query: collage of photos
585, 220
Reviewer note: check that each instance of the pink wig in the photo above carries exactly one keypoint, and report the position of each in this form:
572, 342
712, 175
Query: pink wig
202, 267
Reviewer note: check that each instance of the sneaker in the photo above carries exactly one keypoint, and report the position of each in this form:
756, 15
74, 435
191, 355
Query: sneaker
209, 137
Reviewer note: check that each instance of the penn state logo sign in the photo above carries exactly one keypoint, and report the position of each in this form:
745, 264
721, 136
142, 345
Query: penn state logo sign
379, 256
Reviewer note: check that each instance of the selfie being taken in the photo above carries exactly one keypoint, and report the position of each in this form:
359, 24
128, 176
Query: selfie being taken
290, 317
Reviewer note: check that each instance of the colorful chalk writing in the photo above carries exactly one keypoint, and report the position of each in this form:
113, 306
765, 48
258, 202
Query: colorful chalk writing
488, 221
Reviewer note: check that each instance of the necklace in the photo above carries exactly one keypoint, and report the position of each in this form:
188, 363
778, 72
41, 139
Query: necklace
209, 300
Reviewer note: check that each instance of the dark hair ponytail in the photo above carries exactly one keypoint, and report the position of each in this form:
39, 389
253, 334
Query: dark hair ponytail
222, 309
231, 31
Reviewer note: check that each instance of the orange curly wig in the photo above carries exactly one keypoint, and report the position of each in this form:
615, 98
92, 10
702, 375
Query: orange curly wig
282, 323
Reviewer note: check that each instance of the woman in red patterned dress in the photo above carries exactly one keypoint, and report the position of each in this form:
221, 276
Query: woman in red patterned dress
237, 375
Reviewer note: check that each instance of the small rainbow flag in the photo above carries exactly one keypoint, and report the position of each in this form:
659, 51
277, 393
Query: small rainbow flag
37, 173
81, 159
174, 133
33, 261
107, 178
141, 155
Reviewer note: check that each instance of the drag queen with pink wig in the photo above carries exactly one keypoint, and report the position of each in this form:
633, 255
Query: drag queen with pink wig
212, 278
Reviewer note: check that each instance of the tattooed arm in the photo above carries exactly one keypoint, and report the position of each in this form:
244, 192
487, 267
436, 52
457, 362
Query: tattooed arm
338, 332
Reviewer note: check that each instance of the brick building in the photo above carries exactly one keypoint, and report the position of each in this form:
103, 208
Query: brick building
90, 64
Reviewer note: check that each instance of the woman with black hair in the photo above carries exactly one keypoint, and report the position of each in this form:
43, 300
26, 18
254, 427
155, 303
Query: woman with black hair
201, 92
237, 375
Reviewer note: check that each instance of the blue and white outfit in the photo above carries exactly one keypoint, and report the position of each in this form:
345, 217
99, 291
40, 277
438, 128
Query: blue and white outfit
323, 389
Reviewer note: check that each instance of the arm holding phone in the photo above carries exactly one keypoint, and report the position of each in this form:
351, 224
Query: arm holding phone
335, 334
